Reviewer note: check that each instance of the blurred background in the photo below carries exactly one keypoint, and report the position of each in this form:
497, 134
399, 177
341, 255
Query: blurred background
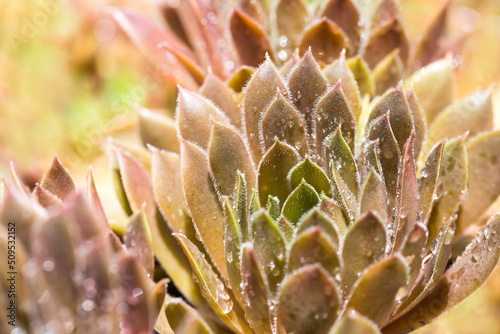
70, 78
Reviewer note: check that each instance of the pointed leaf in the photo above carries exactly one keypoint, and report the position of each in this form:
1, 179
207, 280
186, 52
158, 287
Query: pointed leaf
249, 39
228, 154
138, 240
453, 175
343, 195
309, 302
435, 87
379, 285
313, 246
312, 174
240, 78
242, 205
47, 200
282, 121
301, 200
354, 322
259, 93
270, 246
93, 197
400, 119
255, 291
273, 172
58, 181
212, 287
374, 197
473, 113
291, 18
273, 207
184, 319
339, 70
223, 97
483, 177
307, 85
326, 39
334, 212
364, 244
406, 205
340, 156
362, 75
203, 202
419, 120
286, 229
466, 275
412, 251
333, 111
384, 40
232, 245
428, 182
388, 72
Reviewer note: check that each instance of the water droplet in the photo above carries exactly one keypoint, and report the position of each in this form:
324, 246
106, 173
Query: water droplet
283, 40
88, 305
48, 265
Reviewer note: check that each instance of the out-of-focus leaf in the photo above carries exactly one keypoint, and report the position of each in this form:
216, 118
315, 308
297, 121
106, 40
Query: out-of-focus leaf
340, 156
228, 154
135, 285
259, 93
312, 174
316, 218
307, 85
93, 197
232, 245
333, 111
432, 269
374, 197
270, 246
428, 182
190, 64
374, 296
291, 16
255, 291
384, 40
412, 251
381, 12
253, 9
223, 97
400, 116
158, 130
282, 121
326, 40
137, 186
301, 200
138, 240
473, 114
388, 72
435, 87
388, 153
18, 181
364, 244
419, 120
193, 117
309, 301
203, 202
58, 181
212, 287
428, 43
273, 172
483, 177
240, 78
466, 275
353, 322
339, 70
47, 200
184, 319
406, 205
362, 76
346, 15
453, 175
334, 211
249, 39
313, 246
139, 153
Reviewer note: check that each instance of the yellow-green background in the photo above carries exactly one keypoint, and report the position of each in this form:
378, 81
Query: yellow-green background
69, 79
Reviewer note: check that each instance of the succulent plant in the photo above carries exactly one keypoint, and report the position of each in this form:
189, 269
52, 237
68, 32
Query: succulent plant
317, 211
67, 271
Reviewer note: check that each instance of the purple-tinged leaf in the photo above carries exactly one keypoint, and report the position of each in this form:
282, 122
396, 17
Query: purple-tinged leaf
309, 302
419, 120
139, 242
58, 181
413, 251
373, 197
47, 200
